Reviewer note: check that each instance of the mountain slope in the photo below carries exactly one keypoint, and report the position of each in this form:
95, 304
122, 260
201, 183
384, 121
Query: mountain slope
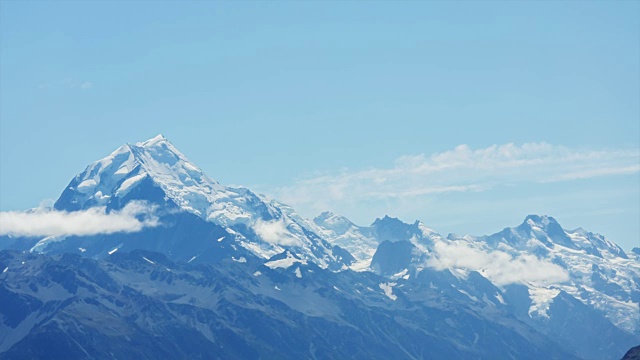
142, 305
240, 275
154, 171
561, 282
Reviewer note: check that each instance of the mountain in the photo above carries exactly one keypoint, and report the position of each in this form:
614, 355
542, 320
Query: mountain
222, 272
191, 208
142, 305
342, 232
573, 285
361, 241
600, 272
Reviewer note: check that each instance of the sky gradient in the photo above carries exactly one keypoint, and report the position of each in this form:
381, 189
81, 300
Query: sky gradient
354, 107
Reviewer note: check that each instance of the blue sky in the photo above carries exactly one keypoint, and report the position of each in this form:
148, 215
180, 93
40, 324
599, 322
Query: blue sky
348, 106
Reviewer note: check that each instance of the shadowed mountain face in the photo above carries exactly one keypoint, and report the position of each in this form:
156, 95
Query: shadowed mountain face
142, 305
228, 273
632, 354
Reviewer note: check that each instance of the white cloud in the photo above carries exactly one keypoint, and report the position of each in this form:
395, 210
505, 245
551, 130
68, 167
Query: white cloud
461, 169
498, 266
46, 222
275, 232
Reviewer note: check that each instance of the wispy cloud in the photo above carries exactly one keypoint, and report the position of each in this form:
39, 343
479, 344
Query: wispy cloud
134, 217
68, 83
498, 266
461, 169
275, 232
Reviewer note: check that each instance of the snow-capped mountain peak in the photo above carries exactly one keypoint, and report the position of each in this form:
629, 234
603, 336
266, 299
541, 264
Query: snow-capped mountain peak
154, 140
155, 160
336, 223
154, 170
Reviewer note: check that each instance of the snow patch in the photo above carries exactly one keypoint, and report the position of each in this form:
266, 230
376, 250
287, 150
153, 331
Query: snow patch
541, 300
285, 263
129, 183
86, 185
388, 290
123, 170
468, 295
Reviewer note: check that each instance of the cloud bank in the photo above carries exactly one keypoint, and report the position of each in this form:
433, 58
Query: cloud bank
461, 169
498, 266
134, 217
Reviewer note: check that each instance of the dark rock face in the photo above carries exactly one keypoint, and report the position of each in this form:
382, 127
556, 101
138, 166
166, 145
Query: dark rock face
392, 229
632, 354
390, 258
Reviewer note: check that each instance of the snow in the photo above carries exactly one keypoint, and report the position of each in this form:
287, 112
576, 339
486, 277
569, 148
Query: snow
360, 266
338, 230
123, 170
129, 183
100, 196
87, 183
82, 249
388, 290
41, 245
240, 260
153, 141
257, 273
190, 166
404, 274
5, 270
220, 239
285, 263
541, 300
468, 295
276, 287
113, 251
149, 261
298, 273
190, 260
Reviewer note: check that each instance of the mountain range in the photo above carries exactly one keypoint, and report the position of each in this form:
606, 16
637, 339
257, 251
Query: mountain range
223, 272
